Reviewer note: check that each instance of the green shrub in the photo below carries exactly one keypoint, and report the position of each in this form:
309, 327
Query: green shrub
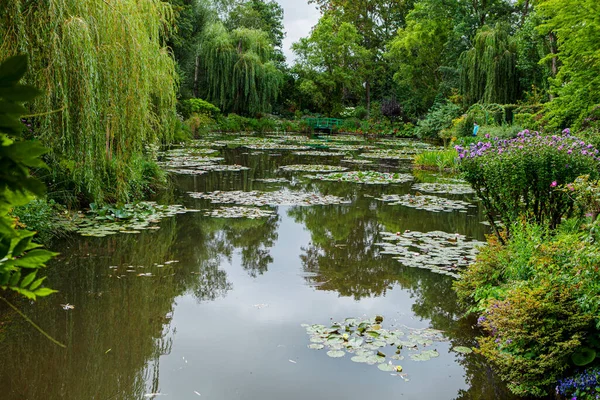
520, 177
533, 333
197, 106
440, 117
199, 124
361, 112
40, 215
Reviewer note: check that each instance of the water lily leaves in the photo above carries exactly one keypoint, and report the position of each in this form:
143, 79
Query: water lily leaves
360, 359
427, 202
364, 177
386, 367
313, 168
239, 212
462, 350
368, 342
336, 353
425, 355
276, 198
439, 252
450, 188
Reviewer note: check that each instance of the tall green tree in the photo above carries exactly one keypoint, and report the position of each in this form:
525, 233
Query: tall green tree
330, 64
239, 69
109, 85
576, 86
489, 69
266, 16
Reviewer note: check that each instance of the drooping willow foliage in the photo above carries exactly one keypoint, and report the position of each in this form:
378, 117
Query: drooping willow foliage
109, 85
489, 68
240, 74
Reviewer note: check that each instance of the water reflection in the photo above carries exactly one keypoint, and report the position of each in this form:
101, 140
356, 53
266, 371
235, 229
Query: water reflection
220, 312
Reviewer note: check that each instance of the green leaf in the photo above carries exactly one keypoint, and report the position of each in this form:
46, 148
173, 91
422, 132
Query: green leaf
20, 93
12, 70
37, 283
583, 356
43, 292
33, 259
14, 279
28, 279
22, 245
336, 353
4, 247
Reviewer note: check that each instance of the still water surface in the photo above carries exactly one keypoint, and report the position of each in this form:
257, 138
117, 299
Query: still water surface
223, 322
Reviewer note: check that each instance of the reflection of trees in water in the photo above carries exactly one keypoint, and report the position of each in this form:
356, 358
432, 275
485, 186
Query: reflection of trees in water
342, 258
119, 327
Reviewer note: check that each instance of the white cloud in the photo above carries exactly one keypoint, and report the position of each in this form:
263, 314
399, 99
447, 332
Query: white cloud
299, 18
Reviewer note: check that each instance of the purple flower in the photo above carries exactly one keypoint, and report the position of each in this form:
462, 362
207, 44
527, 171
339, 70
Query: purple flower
553, 184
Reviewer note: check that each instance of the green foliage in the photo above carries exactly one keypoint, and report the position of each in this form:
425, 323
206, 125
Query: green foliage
440, 117
199, 106
20, 258
109, 89
538, 299
241, 75
199, 124
519, 177
437, 159
534, 331
361, 112
489, 69
577, 83
40, 215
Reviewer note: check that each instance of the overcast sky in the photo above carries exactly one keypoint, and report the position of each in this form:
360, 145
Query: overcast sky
299, 18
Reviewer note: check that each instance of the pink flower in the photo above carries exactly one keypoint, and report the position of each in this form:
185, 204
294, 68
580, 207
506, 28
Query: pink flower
553, 184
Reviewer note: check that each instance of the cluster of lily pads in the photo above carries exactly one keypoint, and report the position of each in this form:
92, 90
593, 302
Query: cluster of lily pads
130, 218
239, 212
350, 147
389, 154
313, 168
272, 180
316, 153
427, 202
440, 252
276, 146
356, 161
366, 341
276, 198
449, 188
365, 177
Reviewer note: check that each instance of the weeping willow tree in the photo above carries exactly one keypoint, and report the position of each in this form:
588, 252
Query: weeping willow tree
109, 85
489, 69
239, 69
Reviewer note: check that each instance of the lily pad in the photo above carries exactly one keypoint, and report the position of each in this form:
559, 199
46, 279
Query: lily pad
427, 202
239, 212
277, 198
450, 188
364, 177
312, 168
386, 367
462, 350
336, 353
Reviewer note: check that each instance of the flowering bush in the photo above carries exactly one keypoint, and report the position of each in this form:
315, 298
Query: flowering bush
520, 176
583, 386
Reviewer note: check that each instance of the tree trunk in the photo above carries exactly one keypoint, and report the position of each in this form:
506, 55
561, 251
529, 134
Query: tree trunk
196, 68
368, 97
525, 12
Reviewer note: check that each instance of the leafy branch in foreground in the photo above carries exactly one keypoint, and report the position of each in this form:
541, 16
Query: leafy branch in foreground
20, 258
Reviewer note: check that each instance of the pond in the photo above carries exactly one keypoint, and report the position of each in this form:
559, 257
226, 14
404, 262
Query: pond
218, 308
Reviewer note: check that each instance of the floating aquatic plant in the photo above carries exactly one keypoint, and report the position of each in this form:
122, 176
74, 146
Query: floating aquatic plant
441, 252
272, 180
239, 212
356, 161
316, 153
426, 202
366, 341
276, 146
389, 154
365, 177
277, 198
130, 218
449, 188
313, 168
